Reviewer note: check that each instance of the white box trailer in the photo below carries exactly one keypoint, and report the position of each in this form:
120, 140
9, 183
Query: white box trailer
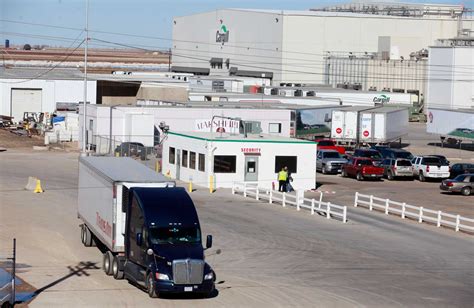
452, 123
372, 125
383, 124
103, 189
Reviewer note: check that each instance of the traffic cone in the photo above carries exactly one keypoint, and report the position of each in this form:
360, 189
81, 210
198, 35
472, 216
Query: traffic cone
38, 189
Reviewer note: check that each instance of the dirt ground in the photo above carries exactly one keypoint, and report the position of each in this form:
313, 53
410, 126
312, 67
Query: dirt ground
9, 140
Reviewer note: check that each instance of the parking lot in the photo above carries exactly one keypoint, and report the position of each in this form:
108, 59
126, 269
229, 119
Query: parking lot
270, 255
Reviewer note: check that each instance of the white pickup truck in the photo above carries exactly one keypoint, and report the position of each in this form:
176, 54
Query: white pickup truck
429, 167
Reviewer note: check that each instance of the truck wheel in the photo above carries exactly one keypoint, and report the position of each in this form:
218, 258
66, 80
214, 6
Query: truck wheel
466, 191
116, 270
421, 177
390, 176
323, 169
359, 176
87, 238
107, 262
343, 173
150, 285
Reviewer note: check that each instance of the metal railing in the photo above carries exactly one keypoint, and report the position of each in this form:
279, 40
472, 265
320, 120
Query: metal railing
327, 209
419, 213
7, 291
103, 145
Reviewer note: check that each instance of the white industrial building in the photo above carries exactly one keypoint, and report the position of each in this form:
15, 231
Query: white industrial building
219, 160
39, 90
290, 46
451, 74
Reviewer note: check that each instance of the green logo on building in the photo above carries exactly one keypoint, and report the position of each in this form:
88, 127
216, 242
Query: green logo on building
381, 99
222, 35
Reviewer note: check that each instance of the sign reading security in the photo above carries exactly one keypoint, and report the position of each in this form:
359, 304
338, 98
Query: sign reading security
218, 125
222, 35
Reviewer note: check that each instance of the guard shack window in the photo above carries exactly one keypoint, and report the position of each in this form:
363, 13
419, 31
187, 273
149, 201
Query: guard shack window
192, 160
224, 163
285, 161
172, 155
184, 160
202, 162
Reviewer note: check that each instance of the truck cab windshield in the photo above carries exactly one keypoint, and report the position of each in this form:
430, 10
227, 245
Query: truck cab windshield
175, 235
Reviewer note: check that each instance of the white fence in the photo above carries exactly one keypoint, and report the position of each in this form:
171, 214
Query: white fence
286, 199
419, 213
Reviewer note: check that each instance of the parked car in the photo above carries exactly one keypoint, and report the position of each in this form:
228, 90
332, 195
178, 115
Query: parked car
429, 167
362, 168
329, 161
463, 184
329, 144
130, 149
459, 168
374, 155
394, 153
394, 168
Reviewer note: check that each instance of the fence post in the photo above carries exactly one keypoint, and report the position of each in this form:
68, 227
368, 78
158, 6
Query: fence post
438, 223
271, 196
256, 193
403, 210
356, 198
420, 218
245, 189
458, 220
387, 204
371, 202
328, 213
320, 200
312, 206
284, 199
299, 198
344, 215
233, 188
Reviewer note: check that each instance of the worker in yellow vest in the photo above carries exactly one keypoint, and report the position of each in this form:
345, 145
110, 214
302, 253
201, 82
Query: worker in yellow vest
282, 177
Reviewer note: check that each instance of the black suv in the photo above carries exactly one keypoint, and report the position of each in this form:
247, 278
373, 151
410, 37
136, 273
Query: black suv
130, 149
461, 168
369, 153
387, 152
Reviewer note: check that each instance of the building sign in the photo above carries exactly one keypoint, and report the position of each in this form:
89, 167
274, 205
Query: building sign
222, 35
381, 99
218, 125
248, 151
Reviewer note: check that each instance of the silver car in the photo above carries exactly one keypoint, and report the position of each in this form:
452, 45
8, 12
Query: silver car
394, 168
329, 161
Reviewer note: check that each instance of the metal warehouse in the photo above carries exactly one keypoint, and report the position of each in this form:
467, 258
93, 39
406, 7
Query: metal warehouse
291, 46
218, 160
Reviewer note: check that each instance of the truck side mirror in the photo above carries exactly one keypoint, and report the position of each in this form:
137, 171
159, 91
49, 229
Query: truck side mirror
209, 241
139, 239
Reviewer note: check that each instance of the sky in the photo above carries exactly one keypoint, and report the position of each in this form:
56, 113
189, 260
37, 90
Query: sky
152, 18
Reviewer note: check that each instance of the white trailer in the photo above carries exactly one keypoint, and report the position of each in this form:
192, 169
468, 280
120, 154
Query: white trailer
451, 123
103, 196
382, 125
371, 125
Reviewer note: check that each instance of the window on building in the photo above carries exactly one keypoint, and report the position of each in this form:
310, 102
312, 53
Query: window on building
201, 162
172, 155
192, 160
286, 161
274, 128
184, 160
225, 163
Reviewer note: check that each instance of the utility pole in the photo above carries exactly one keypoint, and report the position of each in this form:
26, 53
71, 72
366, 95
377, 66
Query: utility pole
169, 60
84, 110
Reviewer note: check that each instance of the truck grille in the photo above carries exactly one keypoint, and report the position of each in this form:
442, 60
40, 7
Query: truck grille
188, 271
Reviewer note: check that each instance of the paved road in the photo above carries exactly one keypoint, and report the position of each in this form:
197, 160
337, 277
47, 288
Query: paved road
271, 256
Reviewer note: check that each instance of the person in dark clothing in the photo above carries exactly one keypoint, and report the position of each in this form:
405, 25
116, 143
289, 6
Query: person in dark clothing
289, 179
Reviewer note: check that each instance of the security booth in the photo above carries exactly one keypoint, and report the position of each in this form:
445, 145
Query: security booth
220, 159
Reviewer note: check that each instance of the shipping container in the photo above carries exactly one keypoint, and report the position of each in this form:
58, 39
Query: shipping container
385, 124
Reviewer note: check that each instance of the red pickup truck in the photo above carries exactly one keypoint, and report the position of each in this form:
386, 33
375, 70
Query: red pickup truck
362, 168
328, 144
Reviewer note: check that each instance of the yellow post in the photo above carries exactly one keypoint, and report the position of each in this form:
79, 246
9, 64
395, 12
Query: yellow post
190, 186
157, 166
211, 184
117, 154
38, 188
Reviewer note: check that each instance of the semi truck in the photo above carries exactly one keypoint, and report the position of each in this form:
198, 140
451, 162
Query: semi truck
376, 125
147, 228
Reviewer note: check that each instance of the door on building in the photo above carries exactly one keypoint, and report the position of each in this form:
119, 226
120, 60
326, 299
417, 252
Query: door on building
25, 100
178, 163
251, 168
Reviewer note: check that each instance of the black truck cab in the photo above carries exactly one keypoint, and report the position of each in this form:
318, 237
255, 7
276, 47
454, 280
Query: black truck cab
163, 244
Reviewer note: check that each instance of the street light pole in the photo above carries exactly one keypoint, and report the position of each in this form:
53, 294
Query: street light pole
84, 110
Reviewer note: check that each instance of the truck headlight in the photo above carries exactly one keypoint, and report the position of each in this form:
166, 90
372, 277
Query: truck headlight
160, 276
209, 276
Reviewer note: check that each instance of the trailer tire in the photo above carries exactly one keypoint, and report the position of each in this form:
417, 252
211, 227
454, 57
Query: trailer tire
116, 268
150, 285
87, 237
107, 262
